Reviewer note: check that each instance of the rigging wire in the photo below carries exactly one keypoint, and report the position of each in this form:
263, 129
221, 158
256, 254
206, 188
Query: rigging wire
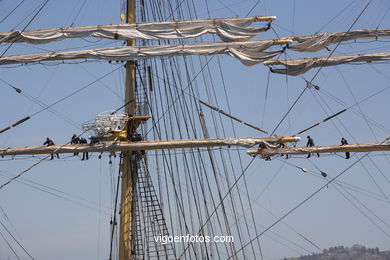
56, 102
180, 104
228, 8
35, 164
13, 10
178, 97
168, 162
288, 226
179, 203
78, 13
223, 162
367, 171
25, 27
102, 83
293, 18
366, 120
113, 220
349, 107
338, 183
241, 165
253, 7
364, 167
212, 159
383, 17
305, 200
7, 219
265, 98
9, 245
345, 185
56, 193
319, 69
337, 15
299, 234
42, 104
220, 203
13, 237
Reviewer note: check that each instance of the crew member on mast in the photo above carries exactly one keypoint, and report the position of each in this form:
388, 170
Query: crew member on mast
85, 154
50, 142
344, 142
75, 140
136, 137
93, 140
310, 142
284, 145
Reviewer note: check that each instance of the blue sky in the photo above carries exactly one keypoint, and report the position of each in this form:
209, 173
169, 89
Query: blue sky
51, 227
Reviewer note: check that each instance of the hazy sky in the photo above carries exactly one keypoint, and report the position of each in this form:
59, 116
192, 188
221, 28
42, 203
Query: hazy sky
51, 227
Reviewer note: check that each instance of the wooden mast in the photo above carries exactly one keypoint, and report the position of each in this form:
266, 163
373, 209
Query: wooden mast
127, 223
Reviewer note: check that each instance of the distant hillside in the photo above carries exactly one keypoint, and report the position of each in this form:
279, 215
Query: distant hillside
357, 252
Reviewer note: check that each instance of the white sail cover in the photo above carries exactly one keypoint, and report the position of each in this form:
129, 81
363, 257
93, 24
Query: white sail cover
298, 66
313, 43
249, 53
228, 29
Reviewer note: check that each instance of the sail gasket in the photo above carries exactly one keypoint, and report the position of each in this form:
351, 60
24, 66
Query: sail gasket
296, 67
249, 53
228, 29
317, 42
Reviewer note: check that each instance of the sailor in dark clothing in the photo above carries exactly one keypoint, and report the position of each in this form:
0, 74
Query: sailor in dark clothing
50, 142
344, 142
261, 147
283, 145
75, 140
310, 142
136, 138
94, 140
82, 140
128, 127
132, 137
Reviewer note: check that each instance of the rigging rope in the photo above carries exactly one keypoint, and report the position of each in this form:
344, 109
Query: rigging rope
305, 200
9, 245
380, 22
13, 10
219, 204
53, 191
13, 237
360, 203
319, 69
25, 27
113, 219
56, 102
253, 7
36, 163
42, 104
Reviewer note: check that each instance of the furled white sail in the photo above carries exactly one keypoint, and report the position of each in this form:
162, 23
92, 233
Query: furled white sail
228, 29
317, 42
296, 67
249, 53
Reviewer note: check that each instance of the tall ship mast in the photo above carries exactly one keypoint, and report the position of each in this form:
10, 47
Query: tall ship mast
185, 147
